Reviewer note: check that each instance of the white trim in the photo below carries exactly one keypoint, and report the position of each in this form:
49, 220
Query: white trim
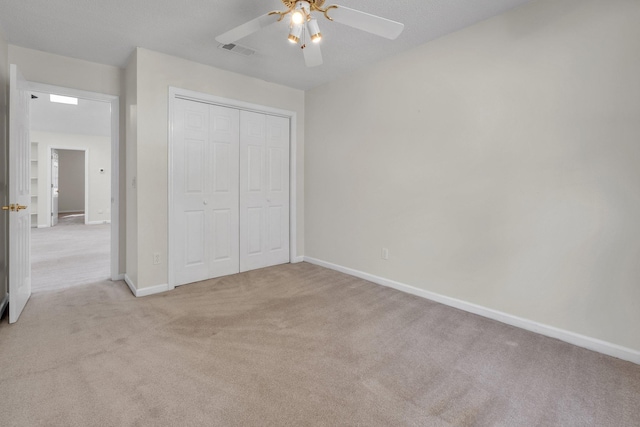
190, 95
143, 292
3, 304
584, 341
152, 290
115, 158
106, 221
118, 278
297, 259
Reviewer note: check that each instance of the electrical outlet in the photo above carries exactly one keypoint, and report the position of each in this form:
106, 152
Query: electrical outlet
156, 258
385, 253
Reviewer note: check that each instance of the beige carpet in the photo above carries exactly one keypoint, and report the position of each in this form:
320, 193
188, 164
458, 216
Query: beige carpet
69, 254
294, 345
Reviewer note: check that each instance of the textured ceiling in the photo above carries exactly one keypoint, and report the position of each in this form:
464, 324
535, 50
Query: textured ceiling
108, 31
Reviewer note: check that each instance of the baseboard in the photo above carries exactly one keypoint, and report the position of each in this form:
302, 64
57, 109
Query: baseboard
43, 226
297, 259
152, 290
131, 285
4, 304
143, 292
584, 341
97, 222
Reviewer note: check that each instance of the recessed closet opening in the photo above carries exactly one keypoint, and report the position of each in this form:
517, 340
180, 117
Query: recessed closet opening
231, 196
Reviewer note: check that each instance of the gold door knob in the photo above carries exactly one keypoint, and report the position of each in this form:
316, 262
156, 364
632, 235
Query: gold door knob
20, 207
11, 207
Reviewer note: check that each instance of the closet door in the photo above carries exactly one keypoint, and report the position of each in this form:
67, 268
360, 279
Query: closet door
264, 190
205, 189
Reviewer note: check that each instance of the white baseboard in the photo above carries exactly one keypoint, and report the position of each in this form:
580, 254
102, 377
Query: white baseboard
297, 259
584, 341
131, 285
97, 222
43, 225
3, 304
143, 292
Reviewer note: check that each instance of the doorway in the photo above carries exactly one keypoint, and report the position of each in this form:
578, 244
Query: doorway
71, 145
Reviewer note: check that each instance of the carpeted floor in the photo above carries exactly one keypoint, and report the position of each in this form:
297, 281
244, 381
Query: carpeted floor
69, 254
293, 345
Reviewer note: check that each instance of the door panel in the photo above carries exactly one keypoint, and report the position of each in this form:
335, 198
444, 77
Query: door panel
191, 127
264, 190
222, 247
194, 166
223, 199
19, 194
278, 190
205, 191
194, 239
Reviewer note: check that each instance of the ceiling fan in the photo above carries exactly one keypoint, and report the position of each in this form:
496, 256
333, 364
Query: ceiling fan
303, 26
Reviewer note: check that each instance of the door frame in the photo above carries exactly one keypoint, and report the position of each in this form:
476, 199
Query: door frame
86, 179
190, 95
114, 101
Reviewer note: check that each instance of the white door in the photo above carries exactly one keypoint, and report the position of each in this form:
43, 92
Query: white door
205, 189
230, 190
55, 190
19, 195
264, 190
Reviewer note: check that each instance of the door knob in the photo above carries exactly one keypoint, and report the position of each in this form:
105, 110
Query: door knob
11, 207
20, 207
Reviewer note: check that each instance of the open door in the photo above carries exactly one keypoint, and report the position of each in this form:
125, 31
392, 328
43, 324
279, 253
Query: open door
19, 195
55, 190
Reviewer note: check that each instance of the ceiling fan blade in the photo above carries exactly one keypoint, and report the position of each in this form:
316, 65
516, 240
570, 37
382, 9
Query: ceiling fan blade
366, 22
312, 54
246, 29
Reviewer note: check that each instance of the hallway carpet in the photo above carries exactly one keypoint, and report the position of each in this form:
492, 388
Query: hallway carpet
293, 345
69, 254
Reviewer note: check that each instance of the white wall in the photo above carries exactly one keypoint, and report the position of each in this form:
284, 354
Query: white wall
71, 181
99, 157
500, 165
48, 68
4, 155
155, 74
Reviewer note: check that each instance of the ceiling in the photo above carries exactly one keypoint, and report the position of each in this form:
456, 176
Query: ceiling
87, 118
108, 31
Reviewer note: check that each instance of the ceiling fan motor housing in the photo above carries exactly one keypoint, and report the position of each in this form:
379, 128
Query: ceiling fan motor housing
314, 4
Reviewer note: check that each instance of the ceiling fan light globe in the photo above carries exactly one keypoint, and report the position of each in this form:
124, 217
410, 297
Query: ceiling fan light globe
295, 33
297, 18
314, 30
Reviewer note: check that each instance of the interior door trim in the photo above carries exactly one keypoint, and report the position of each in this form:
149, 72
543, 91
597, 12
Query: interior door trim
189, 95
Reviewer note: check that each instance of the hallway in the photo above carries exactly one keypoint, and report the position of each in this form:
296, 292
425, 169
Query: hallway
69, 254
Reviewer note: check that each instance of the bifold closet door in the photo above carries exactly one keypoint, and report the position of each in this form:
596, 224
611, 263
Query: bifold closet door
264, 190
205, 189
